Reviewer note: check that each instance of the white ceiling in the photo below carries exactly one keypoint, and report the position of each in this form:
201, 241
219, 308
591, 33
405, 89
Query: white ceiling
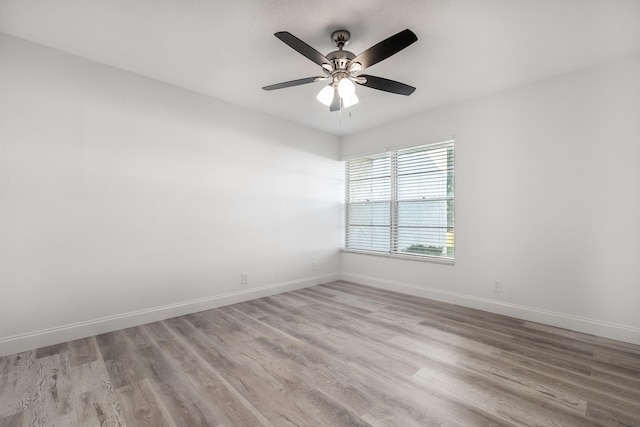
226, 49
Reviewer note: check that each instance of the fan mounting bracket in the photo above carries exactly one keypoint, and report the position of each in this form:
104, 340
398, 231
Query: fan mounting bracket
340, 38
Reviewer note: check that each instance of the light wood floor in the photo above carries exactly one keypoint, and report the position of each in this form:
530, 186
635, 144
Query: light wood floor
333, 355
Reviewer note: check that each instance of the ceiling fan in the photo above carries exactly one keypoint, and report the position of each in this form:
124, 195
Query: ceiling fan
341, 67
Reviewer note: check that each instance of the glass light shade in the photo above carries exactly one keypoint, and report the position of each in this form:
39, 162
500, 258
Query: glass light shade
348, 102
326, 95
346, 88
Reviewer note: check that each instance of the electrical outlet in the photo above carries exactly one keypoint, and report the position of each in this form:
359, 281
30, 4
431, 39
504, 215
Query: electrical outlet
497, 286
244, 278
314, 266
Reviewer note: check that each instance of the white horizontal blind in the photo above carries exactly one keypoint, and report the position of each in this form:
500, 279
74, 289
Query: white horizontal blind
425, 200
369, 203
402, 202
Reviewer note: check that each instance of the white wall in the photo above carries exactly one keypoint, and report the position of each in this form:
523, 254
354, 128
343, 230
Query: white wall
124, 200
547, 200
116, 206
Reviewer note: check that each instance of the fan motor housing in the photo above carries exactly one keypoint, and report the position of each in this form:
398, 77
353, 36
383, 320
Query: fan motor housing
340, 59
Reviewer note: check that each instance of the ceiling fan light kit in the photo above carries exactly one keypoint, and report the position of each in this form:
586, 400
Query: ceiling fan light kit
325, 95
341, 68
346, 88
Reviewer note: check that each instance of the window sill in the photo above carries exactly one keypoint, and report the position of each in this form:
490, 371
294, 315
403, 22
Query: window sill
421, 258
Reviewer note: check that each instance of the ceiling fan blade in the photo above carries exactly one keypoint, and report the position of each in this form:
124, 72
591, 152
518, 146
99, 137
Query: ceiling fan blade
385, 48
387, 85
302, 48
294, 83
335, 104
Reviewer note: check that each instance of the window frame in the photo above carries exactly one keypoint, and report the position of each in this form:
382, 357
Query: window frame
394, 227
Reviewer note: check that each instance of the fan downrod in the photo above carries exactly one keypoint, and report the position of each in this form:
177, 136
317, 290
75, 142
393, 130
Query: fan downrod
340, 38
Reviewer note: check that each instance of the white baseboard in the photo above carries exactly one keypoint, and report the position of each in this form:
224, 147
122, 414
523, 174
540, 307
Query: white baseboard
561, 320
60, 334
43, 338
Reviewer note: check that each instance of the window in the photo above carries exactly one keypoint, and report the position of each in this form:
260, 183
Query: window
401, 202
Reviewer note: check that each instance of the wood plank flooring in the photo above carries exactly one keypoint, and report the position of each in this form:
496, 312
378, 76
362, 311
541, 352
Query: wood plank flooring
333, 355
